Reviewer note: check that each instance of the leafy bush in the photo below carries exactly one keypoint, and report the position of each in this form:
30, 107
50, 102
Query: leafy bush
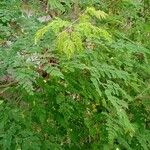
79, 81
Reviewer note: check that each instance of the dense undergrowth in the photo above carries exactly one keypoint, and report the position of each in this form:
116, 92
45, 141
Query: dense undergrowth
74, 74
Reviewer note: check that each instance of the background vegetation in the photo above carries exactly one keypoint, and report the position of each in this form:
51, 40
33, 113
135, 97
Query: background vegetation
74, 74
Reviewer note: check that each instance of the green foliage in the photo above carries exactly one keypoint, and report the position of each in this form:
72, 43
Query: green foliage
79, 81
70, 36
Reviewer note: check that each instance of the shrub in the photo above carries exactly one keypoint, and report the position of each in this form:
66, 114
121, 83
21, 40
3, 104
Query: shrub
80, 81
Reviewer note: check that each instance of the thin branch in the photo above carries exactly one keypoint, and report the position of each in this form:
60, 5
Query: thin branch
82, 13
141, 94
9, 84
